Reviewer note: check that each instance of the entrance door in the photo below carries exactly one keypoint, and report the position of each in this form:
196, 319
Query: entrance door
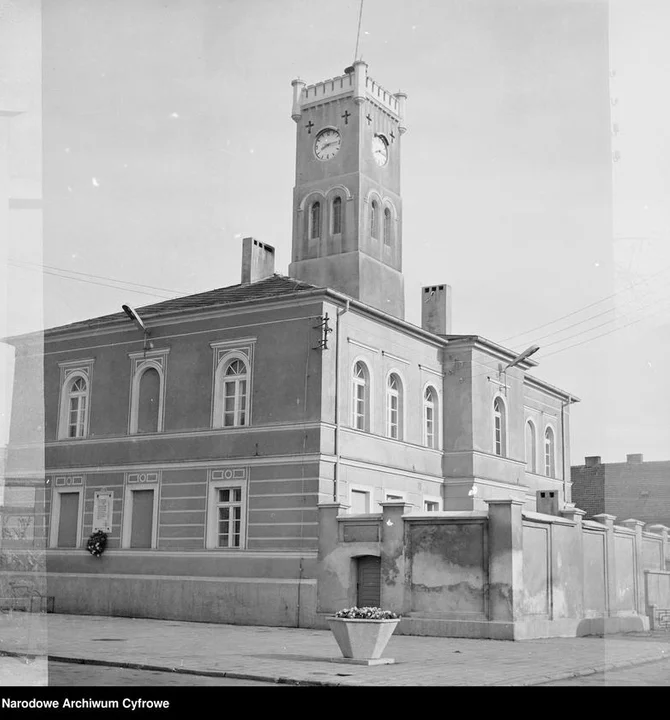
369, 574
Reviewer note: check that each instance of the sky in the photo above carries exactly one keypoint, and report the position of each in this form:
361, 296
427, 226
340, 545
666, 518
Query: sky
535, 171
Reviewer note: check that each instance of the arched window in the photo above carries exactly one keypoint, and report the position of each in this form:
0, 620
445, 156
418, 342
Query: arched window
235, 379
374, 219
430, 424
336, 215
387, 226
315, 220
361, 397
531, 447
149, 401
549, 453
500, 427
394, 409
77, 404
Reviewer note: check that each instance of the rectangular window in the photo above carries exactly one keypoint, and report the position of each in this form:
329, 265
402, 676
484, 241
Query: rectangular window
140, 516
391, 496
498, 421
431, 506
227, 515
360, 502
359, 412
393, 416
65, 518
430, 428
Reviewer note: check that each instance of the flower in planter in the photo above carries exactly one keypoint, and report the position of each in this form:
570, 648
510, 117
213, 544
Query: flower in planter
97, 543
366, 613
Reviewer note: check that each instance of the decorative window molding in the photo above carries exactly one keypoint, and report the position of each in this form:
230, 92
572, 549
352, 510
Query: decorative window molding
360, 500
360, 396
499, 426
74, 487
431, 371
431, 417
227, 509
137, 482
549, 452
531, 446
74, 407
395, 406
362, 345
396, 358
232, 380
140, 362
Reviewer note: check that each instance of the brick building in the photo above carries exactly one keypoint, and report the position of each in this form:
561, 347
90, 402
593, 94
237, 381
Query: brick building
631, 489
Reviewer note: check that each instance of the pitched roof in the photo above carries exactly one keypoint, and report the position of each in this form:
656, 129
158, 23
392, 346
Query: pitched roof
271, 287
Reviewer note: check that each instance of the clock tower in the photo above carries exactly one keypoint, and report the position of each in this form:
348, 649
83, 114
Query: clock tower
347, 212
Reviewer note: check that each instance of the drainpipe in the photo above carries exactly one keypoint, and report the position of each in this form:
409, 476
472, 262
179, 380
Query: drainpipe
563, 406
336, 472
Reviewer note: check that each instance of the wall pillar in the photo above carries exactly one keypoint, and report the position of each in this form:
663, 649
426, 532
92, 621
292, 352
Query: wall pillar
394, 566
662, 530
637, 526
610, 586
570, 512
329, 588
505, 537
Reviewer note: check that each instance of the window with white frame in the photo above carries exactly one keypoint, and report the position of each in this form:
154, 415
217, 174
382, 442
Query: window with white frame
75, 399
531, 447
360, 407
231, 405
391, 496
359, 502
394, 407
549, 453
66, 517
499, 427
147, 391
431, 506
227, 515
430, 417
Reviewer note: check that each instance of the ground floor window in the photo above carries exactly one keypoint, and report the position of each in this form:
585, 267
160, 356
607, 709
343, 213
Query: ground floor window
227, 515
140, 517
360, 502
66, 518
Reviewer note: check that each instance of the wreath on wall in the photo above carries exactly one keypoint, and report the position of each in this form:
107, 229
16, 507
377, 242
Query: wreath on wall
97, 543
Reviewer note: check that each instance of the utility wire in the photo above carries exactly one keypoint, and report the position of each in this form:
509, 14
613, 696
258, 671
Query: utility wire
586, 307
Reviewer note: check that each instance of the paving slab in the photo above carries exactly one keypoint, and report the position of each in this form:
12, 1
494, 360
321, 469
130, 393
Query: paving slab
304, 656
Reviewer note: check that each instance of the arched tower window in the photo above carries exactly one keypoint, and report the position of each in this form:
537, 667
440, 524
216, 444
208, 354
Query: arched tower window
394, 409
374, 219
430, 424
360, 418
315, 220
336, 215
500, 427
531, 447
149, 401
549, 453
387, 226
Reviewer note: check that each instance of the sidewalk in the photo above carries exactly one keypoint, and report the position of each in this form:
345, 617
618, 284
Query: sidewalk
300, 656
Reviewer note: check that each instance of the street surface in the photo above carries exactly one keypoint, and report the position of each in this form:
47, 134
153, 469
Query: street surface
649, 674
75, 675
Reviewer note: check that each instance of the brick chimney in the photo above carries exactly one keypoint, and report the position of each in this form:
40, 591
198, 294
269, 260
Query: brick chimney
634, 459
258, 260
436, 309
592, 460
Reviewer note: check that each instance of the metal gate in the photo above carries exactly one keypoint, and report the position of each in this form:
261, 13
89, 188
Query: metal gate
368, 585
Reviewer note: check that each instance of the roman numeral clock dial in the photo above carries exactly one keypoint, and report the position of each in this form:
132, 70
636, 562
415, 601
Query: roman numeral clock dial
327, 144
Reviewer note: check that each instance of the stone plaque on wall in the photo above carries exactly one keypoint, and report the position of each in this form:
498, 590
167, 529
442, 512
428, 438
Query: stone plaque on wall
103, 502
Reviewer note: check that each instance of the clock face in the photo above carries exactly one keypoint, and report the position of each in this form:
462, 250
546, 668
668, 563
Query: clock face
380, 149
327, 144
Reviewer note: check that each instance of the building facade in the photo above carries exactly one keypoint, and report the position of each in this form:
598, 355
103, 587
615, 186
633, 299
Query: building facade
206, 436
634, 488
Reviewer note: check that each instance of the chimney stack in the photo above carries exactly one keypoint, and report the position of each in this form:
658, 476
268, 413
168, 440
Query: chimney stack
592, 460
634, 459
258, 260
436, 309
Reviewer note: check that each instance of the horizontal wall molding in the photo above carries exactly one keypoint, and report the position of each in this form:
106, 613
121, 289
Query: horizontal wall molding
396, 358
187, 578
359, 344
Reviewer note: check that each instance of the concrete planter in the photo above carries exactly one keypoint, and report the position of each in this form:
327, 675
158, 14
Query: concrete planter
362, 640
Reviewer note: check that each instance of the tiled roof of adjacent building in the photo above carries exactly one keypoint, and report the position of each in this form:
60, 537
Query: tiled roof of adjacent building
271, 287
